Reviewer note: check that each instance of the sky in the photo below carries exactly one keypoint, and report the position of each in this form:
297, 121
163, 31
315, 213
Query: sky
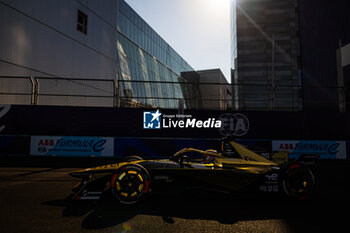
198, 30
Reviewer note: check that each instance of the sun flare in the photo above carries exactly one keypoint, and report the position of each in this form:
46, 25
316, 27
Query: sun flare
217, 6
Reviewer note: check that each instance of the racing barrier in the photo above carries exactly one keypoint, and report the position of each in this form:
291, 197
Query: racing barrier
122, 147
98, 131
163, 94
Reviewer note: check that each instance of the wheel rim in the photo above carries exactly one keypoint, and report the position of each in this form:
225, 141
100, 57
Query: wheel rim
298, 182
130, 184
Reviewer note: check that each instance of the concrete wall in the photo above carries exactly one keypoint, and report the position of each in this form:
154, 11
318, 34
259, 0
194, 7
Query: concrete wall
40, 38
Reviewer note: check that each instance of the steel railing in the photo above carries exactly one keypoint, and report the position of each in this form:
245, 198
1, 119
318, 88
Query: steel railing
140, 93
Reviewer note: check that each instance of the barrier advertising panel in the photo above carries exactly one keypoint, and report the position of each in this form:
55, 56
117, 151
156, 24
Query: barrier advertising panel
128, 122
14, 145
71, 146
326, 149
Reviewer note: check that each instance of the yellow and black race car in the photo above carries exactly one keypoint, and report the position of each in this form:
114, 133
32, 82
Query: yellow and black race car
236, 168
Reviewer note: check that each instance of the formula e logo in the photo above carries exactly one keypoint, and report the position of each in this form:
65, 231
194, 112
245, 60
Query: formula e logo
151, 120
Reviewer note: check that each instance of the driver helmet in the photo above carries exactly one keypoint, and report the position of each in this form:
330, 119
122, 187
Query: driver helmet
209, 157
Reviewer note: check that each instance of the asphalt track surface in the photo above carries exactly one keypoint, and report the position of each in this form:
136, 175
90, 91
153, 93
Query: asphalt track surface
32, 200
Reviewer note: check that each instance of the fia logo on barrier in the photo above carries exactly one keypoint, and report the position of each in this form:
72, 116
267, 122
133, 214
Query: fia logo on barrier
151, 120
234, 124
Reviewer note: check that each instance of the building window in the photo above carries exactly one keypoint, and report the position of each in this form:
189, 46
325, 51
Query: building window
82, 22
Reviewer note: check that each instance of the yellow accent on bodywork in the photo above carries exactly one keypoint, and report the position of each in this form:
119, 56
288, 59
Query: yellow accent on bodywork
247, 159
280, 157
250, 155
256, 170
235, 162
108, 167
247, 156
177, 154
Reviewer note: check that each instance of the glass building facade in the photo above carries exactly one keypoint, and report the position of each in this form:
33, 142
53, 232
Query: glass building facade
265, 55
325, 35
96, 53
149, 69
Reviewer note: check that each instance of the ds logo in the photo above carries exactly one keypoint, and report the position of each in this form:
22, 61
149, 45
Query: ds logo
151, 120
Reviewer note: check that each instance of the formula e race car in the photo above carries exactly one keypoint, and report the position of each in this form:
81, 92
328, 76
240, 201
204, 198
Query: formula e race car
235, 169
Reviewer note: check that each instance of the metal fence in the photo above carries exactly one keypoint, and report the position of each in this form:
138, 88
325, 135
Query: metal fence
57, 91
132, 93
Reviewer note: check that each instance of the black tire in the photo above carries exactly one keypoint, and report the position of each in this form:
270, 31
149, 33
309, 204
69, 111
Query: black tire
297, 181
133, 158
130, 183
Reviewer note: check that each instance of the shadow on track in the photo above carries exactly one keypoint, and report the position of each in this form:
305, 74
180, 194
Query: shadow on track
315, 215
327, 211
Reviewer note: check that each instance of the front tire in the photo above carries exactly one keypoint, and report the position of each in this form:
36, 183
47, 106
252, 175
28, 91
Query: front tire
130, 183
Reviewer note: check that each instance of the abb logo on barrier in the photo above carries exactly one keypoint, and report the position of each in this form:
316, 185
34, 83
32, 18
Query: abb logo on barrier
286, 147
46, 142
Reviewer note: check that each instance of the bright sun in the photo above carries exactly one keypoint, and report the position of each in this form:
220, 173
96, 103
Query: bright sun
217, 6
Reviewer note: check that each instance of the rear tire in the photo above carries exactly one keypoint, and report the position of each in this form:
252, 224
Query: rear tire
297, 181
130, 183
